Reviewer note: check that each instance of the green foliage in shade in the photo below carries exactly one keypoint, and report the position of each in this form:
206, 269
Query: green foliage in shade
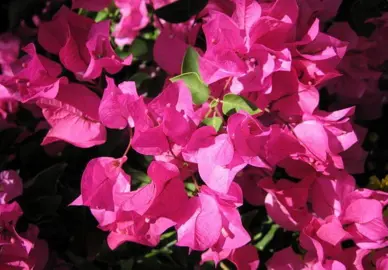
181, 10
102, 15
138, 178
122, 52
215, 122
151, 35
233, 103
45, 183
139, 78
138, 48
18, 10
268, 237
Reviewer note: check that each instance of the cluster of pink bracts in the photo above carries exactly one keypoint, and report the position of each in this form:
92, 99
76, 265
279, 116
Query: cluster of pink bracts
17, 251
273, 53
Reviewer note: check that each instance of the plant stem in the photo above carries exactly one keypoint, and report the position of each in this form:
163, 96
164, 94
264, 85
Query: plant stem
129, 143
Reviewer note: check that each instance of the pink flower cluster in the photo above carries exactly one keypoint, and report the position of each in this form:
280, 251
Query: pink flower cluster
274, 55
17, 250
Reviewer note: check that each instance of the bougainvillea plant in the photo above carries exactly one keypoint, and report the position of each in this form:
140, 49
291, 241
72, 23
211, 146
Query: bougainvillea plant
162, 134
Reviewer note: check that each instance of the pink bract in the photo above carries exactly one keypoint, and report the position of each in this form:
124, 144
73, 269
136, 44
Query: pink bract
75, 121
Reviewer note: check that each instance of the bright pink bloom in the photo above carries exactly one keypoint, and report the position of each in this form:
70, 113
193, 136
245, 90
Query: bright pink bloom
233, 234
219, 163
359, 211
101, 181
211, 220
328, 194
139, 216
201, 138
132, 227
249, 138
282, 151
102, 56
286, 202
82, 45
290, 98
322, 239
147, 212
33, 76
324, 136
150, 142
134, 17
339, 129
313, 136
74, 120
201, 223
250, 65
121, 106
169, 122
163, 197
363, 219
317, 56
11, 186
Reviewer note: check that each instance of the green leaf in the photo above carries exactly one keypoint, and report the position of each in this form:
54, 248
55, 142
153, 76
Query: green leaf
127, 264
214, 103
180, 11
190, 61
102, 15
122, 52
45, 183
139, 78
168, 235
198, 89
234, 103
79, 262
138, 48
267, 238
190, 187
138, 177
152, 35
215, 122
42, 206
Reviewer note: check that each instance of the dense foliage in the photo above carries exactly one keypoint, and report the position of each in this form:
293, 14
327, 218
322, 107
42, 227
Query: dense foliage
194, 134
